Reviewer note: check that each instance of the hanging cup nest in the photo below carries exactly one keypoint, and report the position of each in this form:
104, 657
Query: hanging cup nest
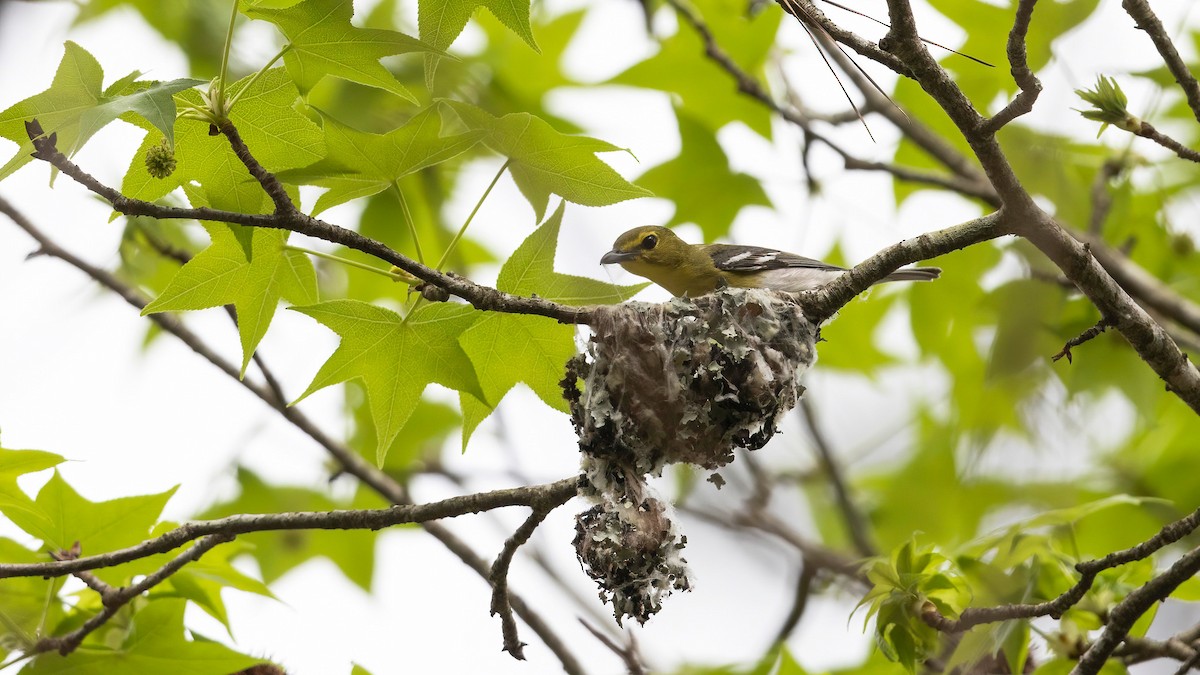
683, 381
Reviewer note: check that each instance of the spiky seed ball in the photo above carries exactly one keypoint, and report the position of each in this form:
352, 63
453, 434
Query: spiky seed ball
160, 160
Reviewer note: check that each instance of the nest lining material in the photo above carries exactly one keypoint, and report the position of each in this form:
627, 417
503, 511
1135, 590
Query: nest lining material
687, 380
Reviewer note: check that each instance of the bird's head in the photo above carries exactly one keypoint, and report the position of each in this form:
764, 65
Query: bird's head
658, 254
644, 247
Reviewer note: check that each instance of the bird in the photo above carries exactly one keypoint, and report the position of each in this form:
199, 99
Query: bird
658, 254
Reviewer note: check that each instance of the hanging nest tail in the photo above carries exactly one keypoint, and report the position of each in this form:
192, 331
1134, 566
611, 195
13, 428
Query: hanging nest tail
683, 381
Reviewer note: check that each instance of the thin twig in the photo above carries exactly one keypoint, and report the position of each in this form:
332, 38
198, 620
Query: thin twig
543, 497
499, 580
974, 616
118, 598
852, 516
1089, 334
480, 297
1021, 73
1146, 130
1101, 197
803, 590
1126, 612
628, 654
1146, 20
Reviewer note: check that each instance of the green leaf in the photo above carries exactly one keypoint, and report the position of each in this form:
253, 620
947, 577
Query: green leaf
361, 164
424, 434
353, 551
63, 517
29, 603
223, 275
156, 643
543, 162
706, 91
511, 348
440, 21
277, 134
396, 357
202, 581
75, 107
359, 670
15, 463
324, 42
705, 189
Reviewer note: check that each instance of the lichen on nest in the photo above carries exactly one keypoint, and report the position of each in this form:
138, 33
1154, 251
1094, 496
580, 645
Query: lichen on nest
688, 380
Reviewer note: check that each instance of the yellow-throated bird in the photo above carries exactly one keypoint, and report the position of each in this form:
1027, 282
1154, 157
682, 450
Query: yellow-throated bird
658, 254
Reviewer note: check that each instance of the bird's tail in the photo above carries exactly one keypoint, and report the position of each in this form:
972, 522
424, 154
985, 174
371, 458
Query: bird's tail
914, 274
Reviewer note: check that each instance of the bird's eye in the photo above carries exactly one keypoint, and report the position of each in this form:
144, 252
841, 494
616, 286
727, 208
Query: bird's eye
649, 241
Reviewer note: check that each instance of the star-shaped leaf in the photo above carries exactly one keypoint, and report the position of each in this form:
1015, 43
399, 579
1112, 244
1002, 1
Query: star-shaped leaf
440, 21
702, 86
60, 517
277, 553
223, 274
75, 106
15, 463
543, 162
324, 42
396, 357
511, 348
706, 191
361, 164
155, 644
266, 117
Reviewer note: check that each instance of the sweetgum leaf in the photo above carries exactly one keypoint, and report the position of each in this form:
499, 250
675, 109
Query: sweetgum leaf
324, 42
511, 348
361, 164
353, 551
396, 357
60, 516
543, 162
75, 107
266, 118
156, 643
441, 21
223, 274
706, 91
705, 189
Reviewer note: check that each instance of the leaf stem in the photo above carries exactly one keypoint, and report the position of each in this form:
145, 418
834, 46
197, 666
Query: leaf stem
462, 230
394, 274
408, 220
260, 73
220, 97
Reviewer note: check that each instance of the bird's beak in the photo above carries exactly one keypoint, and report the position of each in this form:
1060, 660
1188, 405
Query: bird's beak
615, 256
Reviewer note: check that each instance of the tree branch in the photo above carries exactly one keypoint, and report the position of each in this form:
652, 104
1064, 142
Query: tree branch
1146, 130
856, 523
543, 497
821, 304
499, 580
1019, 67
1088, 570
480, 297
351, 462
118, 598
803, 591
1146, 20
1122, 617
1083, 337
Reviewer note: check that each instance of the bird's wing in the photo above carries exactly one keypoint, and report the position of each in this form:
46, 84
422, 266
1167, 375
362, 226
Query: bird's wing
734, 258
